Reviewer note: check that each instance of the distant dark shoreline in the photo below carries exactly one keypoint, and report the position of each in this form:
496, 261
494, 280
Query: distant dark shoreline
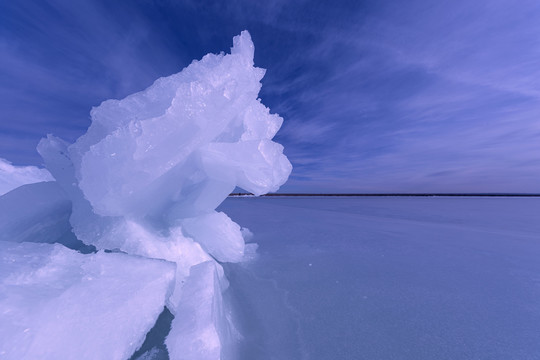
392, 195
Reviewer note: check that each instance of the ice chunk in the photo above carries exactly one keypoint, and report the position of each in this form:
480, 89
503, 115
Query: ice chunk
134, 238
12, 177
255, 165
56, 303
218, 234
35, 212
198, 326
87, 226
149, 173
142, 155
172, 151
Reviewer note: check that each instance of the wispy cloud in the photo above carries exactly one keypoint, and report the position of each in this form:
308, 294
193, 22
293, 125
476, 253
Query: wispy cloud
439, 98
59, 58
376, 96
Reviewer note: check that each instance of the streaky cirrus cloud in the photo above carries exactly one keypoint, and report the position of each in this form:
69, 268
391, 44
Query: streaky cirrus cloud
436, 98
377, 96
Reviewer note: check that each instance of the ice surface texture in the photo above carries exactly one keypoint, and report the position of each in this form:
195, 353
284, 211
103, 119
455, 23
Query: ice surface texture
145, 180
59, 304
409, 278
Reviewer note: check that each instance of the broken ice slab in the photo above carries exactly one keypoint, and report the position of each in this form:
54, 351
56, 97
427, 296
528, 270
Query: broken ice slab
201, 328
218, 235
56, 303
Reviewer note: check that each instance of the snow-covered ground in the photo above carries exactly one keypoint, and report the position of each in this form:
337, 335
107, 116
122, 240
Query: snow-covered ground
389, 278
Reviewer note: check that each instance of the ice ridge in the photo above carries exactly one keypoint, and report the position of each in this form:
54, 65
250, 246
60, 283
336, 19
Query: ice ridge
145, 180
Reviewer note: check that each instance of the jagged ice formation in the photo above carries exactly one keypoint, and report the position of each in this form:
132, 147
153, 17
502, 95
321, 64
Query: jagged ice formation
142, 186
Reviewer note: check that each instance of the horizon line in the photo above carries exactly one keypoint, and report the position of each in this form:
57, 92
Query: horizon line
393, 194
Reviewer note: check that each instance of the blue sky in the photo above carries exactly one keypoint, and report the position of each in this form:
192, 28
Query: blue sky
377, 96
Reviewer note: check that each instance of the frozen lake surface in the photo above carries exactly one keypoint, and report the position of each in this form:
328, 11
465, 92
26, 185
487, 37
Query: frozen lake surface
389, 278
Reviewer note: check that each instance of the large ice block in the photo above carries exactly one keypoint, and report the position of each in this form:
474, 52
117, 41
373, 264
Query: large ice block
172, 151
150, 171
56, 303
142, 154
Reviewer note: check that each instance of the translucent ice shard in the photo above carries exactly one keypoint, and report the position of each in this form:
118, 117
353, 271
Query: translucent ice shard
198, 328
56, 303
218, 235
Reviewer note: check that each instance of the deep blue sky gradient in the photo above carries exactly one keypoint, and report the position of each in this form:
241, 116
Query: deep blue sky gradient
377, 96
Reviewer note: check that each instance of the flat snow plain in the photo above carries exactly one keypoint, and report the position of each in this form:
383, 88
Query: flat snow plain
389, 278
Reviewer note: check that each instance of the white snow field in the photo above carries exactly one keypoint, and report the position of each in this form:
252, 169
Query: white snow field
135, 198
389, 278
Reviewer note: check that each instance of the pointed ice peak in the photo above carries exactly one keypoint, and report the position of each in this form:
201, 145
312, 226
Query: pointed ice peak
243, 45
